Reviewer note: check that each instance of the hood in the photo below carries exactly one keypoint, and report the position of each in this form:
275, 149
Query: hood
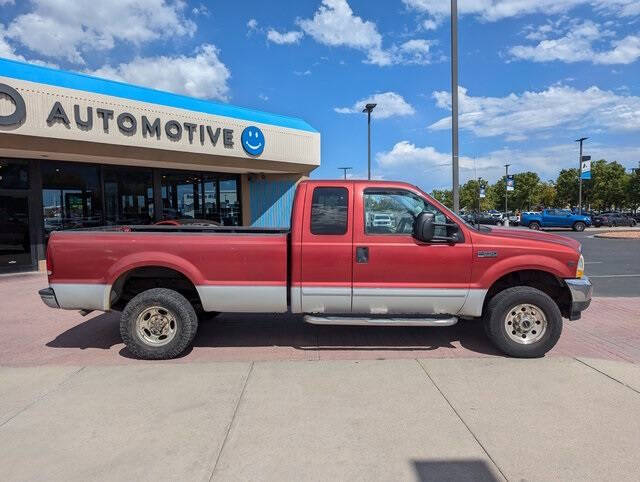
534, 236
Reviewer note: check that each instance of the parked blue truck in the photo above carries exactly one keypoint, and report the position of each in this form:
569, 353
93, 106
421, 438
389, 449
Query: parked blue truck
555, 218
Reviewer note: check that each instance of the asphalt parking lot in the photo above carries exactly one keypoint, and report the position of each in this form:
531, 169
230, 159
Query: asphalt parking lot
613, 265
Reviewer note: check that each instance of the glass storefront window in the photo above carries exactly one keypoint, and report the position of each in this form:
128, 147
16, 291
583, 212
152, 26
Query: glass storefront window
14, 174
189, 195
181, 195
70, 196
229, 202
128, 195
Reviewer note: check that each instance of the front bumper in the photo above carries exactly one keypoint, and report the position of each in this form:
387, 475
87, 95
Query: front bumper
48, 297
581, 291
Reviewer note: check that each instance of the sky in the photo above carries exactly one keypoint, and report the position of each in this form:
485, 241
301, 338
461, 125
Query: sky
534, 74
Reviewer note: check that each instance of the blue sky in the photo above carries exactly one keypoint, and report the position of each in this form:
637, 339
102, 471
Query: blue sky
534, 74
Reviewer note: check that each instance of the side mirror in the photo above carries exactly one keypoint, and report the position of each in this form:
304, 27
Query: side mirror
424, 227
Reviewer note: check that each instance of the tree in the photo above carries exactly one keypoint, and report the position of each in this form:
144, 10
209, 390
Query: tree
469, 195
444, 196
608, 185
546, 195
633, 189
524, 194
567, 188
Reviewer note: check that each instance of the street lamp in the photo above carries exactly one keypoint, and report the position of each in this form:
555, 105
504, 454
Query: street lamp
345, 169
454, 106
581, 140
368, 109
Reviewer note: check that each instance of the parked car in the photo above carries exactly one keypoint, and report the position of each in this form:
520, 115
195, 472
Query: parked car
481, 218
328, 267
613, 219
382, 220
555, 218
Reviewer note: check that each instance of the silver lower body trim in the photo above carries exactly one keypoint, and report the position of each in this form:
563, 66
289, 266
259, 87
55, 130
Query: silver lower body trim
430, 301
82, 296
326, 300
243, 299
364, 321
473, 304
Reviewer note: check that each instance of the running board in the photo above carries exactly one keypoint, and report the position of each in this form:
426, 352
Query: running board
379, 321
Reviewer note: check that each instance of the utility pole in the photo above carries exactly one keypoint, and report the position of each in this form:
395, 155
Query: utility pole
454, 106
368, 109
506, 192
581, 140
345, 169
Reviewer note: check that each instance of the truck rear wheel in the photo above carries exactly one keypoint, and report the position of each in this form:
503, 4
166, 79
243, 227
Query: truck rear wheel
523, 322
158, 324
579, 226
534, 225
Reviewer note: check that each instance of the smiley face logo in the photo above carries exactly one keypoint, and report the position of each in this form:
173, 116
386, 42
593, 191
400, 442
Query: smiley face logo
252, 140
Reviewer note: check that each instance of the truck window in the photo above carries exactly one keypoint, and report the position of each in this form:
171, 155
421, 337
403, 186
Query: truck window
393, 212
329, 210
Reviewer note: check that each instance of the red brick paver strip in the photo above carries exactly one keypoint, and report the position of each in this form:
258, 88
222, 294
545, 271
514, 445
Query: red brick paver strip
33, 334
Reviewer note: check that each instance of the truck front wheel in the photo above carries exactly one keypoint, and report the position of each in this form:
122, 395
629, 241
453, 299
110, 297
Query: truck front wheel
523, 322
534, 225
158, 324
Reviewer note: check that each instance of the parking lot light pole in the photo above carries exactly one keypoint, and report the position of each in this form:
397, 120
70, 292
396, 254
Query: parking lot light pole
506, 193
368, 109
581, 140
345, 169
454, 107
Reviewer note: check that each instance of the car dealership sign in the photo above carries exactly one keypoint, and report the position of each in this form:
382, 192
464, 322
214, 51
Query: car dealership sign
87, 118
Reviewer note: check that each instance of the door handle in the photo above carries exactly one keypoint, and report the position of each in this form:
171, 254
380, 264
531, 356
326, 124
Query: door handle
362, 254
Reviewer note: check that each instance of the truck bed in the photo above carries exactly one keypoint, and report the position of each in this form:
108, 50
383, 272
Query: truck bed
232, 269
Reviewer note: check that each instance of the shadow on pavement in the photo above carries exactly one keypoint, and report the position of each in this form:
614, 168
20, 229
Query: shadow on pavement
443, 470
268, 331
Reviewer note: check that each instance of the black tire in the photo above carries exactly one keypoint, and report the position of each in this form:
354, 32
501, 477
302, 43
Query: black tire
185, 320
535, 225
579, 226
498, 309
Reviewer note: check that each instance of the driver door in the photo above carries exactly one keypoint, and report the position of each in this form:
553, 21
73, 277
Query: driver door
395, 274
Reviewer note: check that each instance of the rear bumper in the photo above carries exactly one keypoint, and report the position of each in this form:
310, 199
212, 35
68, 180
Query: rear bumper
48, 297
581, 292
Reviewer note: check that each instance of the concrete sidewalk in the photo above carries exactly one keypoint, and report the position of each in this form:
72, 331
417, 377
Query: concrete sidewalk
432, 419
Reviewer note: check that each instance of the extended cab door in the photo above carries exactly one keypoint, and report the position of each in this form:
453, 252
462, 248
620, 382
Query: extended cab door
395, 273
327, 238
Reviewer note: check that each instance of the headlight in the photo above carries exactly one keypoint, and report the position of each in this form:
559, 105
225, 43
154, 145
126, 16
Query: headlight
580, 268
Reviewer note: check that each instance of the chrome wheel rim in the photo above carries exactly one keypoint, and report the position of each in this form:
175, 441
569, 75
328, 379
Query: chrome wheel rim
525, 323
156, 326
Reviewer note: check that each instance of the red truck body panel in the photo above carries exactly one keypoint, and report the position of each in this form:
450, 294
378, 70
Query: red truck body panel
249, 271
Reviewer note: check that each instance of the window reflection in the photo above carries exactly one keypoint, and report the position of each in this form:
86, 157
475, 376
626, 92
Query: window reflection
128, 195
70, 196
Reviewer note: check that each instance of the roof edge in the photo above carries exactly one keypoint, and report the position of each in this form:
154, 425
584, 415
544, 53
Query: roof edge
87, 83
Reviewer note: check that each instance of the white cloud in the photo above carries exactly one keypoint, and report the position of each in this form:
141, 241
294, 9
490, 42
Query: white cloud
576, 45
8, 52
263, 97
64, 29
6, 2
531, 112
252, 24
302, 73
292, 37
494, 10
390, 104
430, 168
203, 75
334, 24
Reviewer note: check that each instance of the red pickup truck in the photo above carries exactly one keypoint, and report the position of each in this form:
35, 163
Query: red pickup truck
358, 253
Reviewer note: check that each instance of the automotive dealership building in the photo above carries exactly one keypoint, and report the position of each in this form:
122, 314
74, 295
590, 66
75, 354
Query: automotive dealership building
79, 151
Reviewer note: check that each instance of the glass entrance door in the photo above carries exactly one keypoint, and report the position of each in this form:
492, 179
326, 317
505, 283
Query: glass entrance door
15, 239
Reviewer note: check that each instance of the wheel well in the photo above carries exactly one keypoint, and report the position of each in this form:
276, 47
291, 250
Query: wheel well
542, 280
138, 280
